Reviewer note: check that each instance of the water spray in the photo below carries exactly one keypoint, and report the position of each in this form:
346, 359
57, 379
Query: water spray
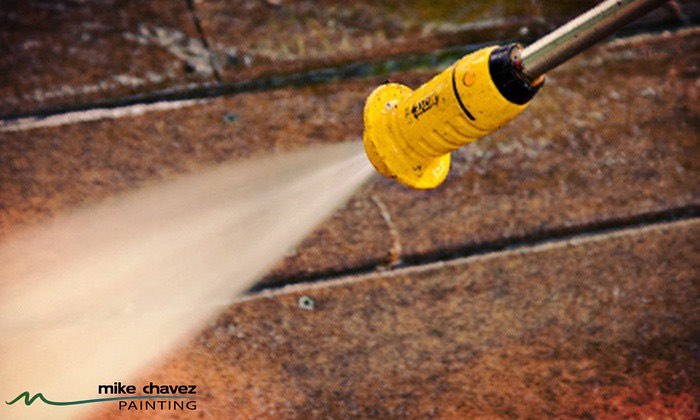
99, 293
409, 134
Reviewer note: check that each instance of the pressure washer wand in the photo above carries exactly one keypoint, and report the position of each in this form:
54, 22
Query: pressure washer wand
584, 31
409, 134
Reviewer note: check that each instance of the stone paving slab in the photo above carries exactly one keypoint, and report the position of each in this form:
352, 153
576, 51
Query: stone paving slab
58, 53
259, 38
68, 54
604, 325
609, 139
612, 137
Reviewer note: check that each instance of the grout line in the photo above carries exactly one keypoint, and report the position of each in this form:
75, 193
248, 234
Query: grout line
574, 233
524, 249
93, 114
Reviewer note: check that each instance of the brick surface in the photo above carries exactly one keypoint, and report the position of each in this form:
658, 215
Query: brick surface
601, 326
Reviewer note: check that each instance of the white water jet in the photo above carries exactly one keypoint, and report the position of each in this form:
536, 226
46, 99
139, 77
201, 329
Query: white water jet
99, 294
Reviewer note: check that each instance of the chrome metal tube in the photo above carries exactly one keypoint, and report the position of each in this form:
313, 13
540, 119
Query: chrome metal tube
582, 32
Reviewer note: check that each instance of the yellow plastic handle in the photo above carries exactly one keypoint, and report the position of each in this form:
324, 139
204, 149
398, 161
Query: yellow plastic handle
409, 134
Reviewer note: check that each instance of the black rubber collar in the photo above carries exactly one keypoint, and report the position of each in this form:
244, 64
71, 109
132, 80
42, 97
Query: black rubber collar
506, 75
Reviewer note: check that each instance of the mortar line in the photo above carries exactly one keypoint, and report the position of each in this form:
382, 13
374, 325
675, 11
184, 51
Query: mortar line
205, 40
95, 114
581, 232
395, 249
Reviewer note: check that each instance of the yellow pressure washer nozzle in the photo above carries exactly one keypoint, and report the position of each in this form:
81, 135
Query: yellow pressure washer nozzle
409, 134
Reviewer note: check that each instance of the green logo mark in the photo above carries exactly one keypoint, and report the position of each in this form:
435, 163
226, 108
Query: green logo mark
29, 400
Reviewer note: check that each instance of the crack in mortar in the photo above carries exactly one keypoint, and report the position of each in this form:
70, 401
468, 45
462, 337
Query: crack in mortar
395, 249
203, 38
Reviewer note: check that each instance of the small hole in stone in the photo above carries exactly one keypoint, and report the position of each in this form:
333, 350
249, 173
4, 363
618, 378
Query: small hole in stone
188, 68
230, 118
306, 302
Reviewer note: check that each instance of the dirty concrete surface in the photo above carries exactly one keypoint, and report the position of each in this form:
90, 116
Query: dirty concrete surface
593, 327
